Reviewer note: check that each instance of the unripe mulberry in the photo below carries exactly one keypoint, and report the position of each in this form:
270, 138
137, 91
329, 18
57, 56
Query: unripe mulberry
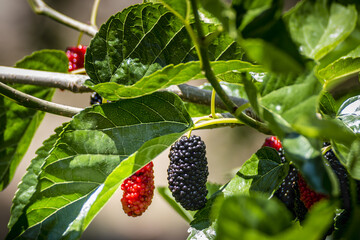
188, 171
138, 191
273, 142
76, 57
308, 196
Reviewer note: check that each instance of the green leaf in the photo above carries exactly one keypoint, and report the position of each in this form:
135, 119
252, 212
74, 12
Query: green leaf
169, 75
324, 129
254, 217
181, 8
343, 67
144, 38
96, 151
166, 194
271, 57
26, 188
224, 13
248, 10
353, 160
318, 27
349, 113
293, 101
263, 172
327, 104
18, 124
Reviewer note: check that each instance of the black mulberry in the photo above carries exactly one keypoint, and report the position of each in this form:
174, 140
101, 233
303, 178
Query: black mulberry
342, 175
188, 171
95, 98
288, 193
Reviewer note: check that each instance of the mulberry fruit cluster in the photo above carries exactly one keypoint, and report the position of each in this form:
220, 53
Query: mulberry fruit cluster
288, 191
188, 171
76, 57
138, 191
308, 196
294, 192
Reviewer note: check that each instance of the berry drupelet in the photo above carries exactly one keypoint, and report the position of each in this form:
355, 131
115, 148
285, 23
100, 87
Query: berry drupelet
188, 171
138, 191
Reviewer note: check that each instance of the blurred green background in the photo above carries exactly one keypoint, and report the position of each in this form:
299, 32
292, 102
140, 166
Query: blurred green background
23, 32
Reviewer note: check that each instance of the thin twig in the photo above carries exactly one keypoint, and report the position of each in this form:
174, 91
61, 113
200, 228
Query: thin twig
41, 8
29, 101
72, 82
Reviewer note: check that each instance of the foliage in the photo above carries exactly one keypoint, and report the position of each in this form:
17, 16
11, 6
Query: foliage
286, 65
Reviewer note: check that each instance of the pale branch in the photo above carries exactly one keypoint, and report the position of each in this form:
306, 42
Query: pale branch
41, 8
75, 83
29, 101
72, 82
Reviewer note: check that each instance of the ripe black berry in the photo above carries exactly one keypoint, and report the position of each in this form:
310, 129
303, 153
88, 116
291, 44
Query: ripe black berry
188, 171
288, 193
342, 176
95, 98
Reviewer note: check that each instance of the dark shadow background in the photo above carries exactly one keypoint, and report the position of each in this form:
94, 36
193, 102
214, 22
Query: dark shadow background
23, 32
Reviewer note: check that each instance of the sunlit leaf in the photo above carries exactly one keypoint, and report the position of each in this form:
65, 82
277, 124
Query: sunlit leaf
95, 152
19, 124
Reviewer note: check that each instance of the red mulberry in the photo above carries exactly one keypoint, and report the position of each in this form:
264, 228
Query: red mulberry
138, 191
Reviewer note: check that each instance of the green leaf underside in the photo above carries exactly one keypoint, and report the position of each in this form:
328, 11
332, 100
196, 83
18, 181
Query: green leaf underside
96, 151
318, 28
173, 75
144, 38
19, 123
263, 172
27, 186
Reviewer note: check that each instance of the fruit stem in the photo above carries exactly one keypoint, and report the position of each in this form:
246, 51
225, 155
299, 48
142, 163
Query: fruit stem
41, 8
94, 12
220, 122
212, 105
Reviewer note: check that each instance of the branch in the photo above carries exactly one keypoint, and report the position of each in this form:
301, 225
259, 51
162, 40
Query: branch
29, 101
72, 82
41, 8
75, 83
